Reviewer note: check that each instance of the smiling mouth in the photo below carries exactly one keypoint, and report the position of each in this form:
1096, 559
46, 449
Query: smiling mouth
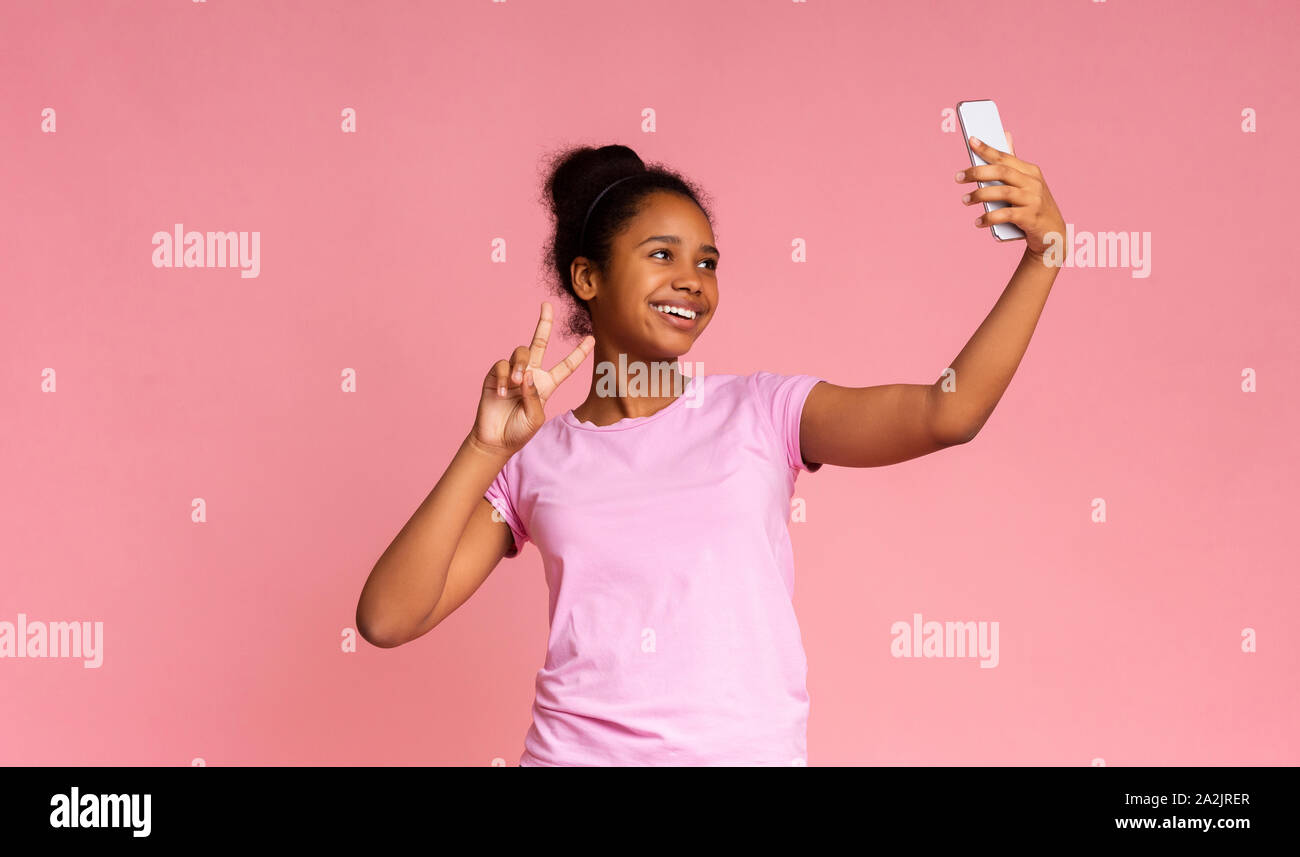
675, 312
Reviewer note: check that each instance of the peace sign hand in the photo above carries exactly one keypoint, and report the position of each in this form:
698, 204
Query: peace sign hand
1030, 203
510, 410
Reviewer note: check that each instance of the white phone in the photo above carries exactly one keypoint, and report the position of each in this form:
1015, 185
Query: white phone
980, 119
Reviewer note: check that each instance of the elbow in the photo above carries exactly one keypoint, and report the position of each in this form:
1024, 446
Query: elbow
374, 632
382, 640
951, 425
959, 431
955, 435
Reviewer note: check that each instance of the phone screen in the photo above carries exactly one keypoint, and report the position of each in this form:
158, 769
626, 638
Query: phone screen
980, 119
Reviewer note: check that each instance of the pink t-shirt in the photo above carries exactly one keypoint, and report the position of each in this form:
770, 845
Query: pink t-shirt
665, 541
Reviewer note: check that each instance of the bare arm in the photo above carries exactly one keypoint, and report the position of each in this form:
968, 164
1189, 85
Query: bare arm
886, 424
451, 544
440, 557
984, 368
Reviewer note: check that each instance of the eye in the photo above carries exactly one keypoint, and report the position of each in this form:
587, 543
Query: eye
713, 263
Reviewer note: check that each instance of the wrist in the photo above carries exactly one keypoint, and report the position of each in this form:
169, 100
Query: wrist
477, 448
1038, 257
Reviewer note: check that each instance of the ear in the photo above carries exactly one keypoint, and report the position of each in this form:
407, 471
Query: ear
580, 277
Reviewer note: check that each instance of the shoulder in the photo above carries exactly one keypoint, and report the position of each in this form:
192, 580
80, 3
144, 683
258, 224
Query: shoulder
776, 388
766, 390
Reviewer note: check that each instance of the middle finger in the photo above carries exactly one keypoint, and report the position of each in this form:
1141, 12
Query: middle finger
992, 193
540, 337
994, 172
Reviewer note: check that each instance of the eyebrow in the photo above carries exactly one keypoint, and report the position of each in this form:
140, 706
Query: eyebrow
673, 239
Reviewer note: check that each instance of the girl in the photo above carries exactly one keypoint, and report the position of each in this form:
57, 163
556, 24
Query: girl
661, 510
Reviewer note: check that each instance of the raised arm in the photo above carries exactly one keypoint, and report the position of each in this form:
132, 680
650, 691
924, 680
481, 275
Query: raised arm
874, 426
451, 544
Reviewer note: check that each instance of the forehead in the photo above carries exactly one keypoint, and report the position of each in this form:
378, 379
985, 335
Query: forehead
662, 212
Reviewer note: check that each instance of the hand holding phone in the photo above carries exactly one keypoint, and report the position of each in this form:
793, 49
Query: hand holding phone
980, 119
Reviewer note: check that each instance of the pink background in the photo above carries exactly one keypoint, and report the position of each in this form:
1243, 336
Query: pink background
822, 121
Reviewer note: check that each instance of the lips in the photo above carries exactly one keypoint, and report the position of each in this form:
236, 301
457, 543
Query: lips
697, 308
677, 321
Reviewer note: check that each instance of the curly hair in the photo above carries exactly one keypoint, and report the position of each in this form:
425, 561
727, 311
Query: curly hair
575, 177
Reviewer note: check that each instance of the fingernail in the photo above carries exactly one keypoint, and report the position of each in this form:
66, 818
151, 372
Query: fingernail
961, 175
965, 197
501, 391
975, 141
978, 219
518, 376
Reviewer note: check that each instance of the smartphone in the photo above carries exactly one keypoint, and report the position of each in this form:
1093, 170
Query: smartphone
980, 119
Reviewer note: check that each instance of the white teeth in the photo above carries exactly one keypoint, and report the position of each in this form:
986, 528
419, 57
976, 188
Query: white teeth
674, 310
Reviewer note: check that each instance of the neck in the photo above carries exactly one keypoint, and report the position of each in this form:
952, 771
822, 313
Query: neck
630, 389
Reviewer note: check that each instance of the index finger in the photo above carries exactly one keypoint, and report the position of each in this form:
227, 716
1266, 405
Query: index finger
540, 336
565, 367
997, 156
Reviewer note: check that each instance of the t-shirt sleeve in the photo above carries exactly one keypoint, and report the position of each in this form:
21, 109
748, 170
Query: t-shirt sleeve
501, 496
780, 401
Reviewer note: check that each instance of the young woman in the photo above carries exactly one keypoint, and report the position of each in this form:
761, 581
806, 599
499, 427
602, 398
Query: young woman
661, 513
